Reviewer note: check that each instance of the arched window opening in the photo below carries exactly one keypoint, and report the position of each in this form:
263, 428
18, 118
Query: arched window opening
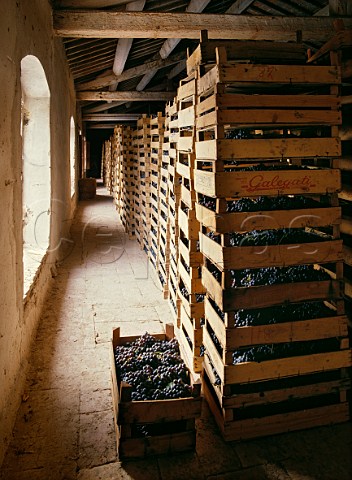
36, 171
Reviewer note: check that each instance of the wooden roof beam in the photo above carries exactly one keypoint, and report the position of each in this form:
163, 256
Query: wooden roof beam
129, 96
194, 6
108, 78
110, 117
124, 44
107, 24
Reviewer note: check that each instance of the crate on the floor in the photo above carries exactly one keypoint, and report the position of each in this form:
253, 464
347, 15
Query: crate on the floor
171, 423
305, 408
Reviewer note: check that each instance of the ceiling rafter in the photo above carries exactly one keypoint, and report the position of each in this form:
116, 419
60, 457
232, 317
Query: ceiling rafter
108, 78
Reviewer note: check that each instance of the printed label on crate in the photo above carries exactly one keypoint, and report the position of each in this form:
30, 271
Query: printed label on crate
260, 183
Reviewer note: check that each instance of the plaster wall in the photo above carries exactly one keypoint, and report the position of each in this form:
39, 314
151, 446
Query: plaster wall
26, 29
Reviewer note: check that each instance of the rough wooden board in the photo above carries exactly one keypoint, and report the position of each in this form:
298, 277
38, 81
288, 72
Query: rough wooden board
235, 184
227, 149
102, 24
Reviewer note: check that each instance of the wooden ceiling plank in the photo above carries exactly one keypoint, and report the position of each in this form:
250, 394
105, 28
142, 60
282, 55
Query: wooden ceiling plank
89, 59
81, 4
95, 65
107, 24
239, 6
102, 108
83, 49
91, 69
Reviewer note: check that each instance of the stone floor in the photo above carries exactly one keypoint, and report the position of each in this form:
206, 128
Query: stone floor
64, 428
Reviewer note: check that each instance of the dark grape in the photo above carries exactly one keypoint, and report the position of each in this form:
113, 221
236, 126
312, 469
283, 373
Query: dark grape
274, 351
153, 368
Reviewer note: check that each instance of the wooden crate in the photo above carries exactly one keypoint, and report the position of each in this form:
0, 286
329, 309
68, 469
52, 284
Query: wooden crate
172, 415
251, 75
255, 426
279, 182
224, 258
254, 148
273, 369
221, 221
258, 50
228, 298
232, 338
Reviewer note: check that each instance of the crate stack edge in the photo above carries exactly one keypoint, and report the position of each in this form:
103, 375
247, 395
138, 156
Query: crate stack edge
144, 159
157, 126
189, 259
174, 194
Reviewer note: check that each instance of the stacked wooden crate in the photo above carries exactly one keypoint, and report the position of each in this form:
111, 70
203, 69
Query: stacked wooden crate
174, 190
164, 220
116, 140
144, 150
189, 258
124, 181
102, 165
138, 175
107, 164
157, 125
275, 334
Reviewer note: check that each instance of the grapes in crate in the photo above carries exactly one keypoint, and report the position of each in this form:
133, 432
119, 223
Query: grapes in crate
154, 369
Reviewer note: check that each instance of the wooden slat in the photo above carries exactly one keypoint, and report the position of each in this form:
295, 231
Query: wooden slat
227, 149
249, 75
236, 184
227, 100
255, 118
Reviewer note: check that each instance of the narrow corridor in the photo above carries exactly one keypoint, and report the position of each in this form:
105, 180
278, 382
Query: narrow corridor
64, 428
